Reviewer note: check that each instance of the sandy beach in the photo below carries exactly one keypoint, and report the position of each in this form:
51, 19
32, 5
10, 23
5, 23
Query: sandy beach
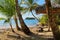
7, 34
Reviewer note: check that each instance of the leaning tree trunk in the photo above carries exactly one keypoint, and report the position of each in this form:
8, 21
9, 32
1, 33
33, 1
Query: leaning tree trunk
34, 15
11, 27
16, 21
13, 30
25, 29
52, 21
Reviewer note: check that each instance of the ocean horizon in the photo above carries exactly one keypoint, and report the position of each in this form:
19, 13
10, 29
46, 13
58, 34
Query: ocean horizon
29, 23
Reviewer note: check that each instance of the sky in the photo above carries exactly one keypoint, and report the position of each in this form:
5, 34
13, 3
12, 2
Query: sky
40, 2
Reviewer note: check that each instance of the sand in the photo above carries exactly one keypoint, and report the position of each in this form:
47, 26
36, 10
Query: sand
7, 34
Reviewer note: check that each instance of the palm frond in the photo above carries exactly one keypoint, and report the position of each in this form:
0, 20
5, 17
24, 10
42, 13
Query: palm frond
2, 19
30, 1
8, 8
7, 20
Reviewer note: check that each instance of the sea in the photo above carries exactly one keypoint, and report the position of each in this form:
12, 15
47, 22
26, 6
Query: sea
29, 23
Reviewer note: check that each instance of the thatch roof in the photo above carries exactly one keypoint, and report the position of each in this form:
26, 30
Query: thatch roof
42, 9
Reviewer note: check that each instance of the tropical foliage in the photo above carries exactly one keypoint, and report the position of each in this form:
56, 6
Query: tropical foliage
7, 8
44, 19
11, 8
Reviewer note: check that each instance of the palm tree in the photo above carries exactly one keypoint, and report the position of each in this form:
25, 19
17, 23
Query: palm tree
24, 27
52, 21
31, 6
7, 8
12, 28
8, 21
16, 21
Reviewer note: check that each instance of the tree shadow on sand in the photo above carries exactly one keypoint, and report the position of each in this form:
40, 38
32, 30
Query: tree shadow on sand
16, 36
36, 37
32, 36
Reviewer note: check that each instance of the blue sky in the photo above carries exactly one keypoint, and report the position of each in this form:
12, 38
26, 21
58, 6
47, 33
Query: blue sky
40, 2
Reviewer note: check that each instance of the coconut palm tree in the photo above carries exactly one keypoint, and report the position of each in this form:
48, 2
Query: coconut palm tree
7, 7
52, 21
16, 21
24, 27
8, 21
31, 5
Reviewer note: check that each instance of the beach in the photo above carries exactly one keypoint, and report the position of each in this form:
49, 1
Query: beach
7, 34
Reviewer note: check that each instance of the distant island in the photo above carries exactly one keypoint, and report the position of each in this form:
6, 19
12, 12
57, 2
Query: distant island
30, 18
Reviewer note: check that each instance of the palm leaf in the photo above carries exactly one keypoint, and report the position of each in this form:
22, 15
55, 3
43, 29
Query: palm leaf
8, 8
7, 20
2, 19
30, 1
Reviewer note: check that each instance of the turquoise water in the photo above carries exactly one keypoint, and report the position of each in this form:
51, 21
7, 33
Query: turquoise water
29, 23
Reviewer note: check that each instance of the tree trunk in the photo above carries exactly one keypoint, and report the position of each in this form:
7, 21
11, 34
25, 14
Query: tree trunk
12, 28
52, 21
24, 27
48, 25
16, 21
34, 15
